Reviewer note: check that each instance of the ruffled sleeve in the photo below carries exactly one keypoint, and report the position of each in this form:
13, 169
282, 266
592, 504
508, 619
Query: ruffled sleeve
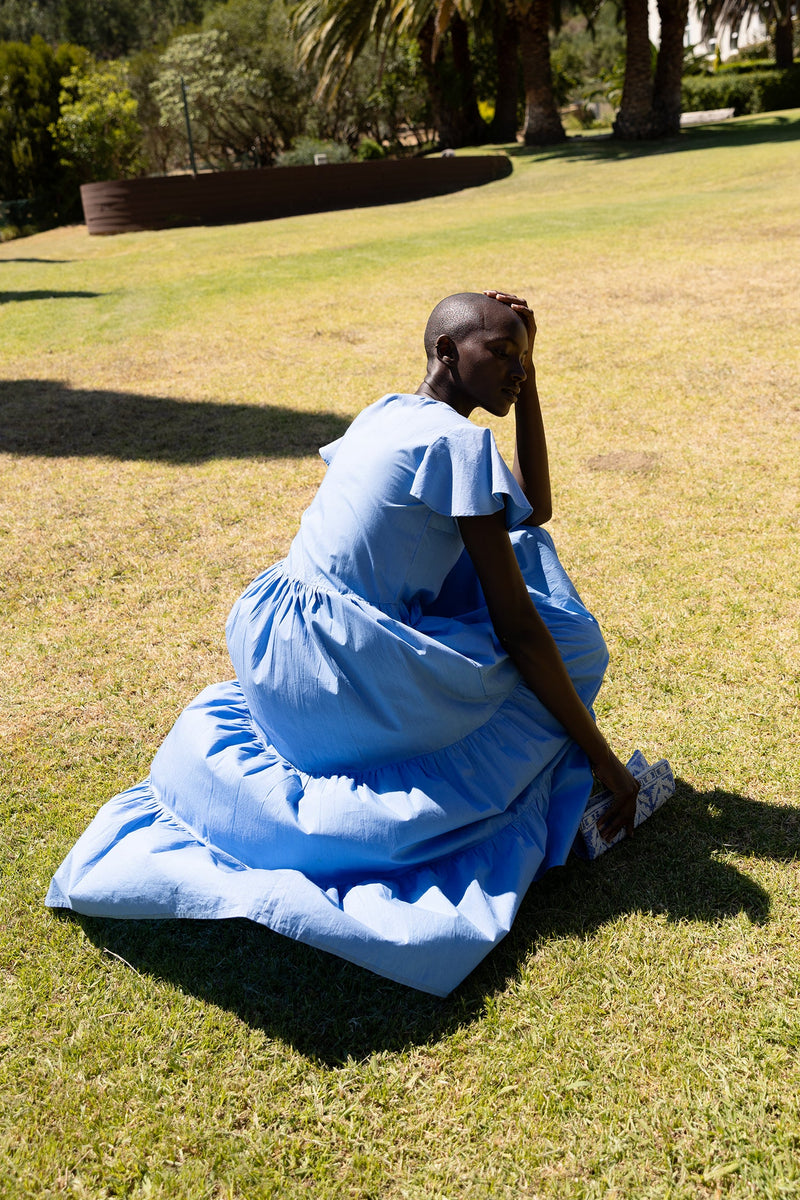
462, 474
328, 453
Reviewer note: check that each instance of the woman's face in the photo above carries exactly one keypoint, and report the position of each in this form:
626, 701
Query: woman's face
489, 365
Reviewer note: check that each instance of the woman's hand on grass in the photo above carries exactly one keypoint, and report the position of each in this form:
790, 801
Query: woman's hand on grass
614, 775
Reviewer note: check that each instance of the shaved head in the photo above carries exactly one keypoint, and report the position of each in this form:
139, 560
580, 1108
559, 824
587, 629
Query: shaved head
459, 315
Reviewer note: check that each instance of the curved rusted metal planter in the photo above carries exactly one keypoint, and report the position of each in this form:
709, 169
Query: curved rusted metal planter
227, 197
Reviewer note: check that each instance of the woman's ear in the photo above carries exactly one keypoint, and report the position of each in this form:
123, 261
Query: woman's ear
446, 349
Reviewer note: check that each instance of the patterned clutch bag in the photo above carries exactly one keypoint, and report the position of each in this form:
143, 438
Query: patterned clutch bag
657, 785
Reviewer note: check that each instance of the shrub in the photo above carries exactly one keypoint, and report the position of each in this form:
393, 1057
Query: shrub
304, 149
745, 93
97, 132
368, 148
31, 173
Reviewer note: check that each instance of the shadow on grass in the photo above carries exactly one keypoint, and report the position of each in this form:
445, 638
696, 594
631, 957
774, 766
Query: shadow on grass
3, 259
330, 1010
44, 417
604, 147
16, 297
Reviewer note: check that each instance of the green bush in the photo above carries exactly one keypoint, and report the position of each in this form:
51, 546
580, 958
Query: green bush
736, 66
31, 172
97, 133
745, 92
304, 149
368, 148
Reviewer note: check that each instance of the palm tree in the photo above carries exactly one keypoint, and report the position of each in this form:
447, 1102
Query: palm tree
730, 14
651, 104
505, 30
635, 117
669, 68
542, 119
332, 33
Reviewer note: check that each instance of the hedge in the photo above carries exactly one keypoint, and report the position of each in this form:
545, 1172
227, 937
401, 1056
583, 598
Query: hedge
754, 92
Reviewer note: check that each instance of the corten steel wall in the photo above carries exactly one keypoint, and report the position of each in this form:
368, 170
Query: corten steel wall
225, 197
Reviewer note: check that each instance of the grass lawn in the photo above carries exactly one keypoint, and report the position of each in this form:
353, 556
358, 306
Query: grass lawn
162, 398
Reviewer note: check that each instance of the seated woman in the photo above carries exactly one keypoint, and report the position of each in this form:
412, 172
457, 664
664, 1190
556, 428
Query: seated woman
408, 742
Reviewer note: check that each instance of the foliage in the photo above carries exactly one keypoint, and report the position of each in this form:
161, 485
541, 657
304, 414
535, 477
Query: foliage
163, 145
749, 92
746, 66
755, 52
304, 150
383, 96
483, 48
333, 35
246, 104
97, 132
718, 14
30, 169
108, 28
369, 149
585, 57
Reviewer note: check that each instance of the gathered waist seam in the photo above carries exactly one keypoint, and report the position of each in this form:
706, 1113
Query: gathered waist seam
318, 583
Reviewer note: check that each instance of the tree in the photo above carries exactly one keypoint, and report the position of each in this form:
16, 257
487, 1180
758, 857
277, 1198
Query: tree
383, 98
635, 117
494, 42
108, 28
730, 14
542, 119
332, 33
97, 133
450, 82
669, 68
246, 103
651, 101
30, 167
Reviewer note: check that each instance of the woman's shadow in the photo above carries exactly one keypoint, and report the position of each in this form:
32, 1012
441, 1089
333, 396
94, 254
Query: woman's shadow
330, 1010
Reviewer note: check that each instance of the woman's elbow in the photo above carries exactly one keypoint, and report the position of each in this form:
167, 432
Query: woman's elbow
541, 514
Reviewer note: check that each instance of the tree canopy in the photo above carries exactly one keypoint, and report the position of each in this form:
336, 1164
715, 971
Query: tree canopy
104, 89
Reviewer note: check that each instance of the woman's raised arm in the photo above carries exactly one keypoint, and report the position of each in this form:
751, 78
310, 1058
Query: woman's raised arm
528, 642
531, 468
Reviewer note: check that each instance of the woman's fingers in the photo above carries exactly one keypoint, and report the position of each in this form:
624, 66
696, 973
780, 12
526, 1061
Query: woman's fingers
506, 298
621, 815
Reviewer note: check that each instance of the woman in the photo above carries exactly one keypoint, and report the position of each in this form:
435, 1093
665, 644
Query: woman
409, 742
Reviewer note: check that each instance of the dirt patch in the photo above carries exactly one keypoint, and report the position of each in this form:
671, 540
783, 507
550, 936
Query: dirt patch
623, 460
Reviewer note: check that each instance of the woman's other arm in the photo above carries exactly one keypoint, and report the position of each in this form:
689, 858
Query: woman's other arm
528, 642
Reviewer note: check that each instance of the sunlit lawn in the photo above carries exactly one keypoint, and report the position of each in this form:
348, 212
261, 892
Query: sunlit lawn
162, 397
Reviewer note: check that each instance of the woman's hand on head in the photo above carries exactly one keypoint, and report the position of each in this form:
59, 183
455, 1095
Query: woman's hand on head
621, 814
520, 307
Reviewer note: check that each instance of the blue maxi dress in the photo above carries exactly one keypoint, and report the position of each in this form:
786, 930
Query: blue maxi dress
377, 780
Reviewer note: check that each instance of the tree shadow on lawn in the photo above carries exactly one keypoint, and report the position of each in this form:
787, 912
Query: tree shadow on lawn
738, 133
48, 294
5, 259
48, 418
330, 1010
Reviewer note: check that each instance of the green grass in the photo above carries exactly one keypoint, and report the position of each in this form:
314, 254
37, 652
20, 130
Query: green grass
162, 396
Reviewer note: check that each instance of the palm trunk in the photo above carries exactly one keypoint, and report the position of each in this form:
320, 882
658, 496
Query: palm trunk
634, 119
542, 120
784, 39
474, 126
454, 103
506, 40
669, 68
445, 120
